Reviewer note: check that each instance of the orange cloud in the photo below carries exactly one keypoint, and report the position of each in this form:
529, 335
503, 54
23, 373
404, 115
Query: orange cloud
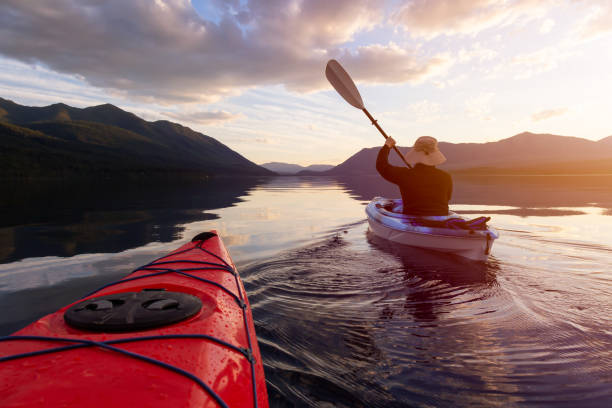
205, 117
126, 46
547, 114
430, 18
598, 22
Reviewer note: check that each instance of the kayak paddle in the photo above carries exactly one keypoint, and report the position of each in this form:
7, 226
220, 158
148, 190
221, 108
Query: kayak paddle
344, 85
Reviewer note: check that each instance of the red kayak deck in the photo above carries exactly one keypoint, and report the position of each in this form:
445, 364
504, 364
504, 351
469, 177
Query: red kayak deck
210, 359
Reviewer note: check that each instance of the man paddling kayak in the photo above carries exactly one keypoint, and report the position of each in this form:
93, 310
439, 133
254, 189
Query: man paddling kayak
425, 189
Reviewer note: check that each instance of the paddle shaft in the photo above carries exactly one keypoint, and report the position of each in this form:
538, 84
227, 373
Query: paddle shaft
375, 123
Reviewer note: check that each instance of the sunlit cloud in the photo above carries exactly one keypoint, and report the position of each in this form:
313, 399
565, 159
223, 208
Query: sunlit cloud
35, 84
476, 52
544, 60
431, 18
128, 46
450, 81
399, 65
479, 106
598, 22
547, 114
125, 47
547, 26
247, 140
204, 117
425, 111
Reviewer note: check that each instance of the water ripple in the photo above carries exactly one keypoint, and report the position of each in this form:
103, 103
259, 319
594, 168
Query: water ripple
389, 326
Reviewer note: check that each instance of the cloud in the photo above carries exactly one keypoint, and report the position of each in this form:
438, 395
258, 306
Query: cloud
387, 64
477, 52
547, 114
543, 60
598, 22
431, 18
547, 26
479, 106
163, 51
425, 111
204, 117
248, 140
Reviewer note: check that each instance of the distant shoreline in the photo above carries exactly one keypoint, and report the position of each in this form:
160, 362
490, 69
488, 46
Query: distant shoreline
170, 176
532, 175
456, 173
133, 177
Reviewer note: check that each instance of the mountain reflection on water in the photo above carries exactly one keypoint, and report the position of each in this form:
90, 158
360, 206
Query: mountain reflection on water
70, 218
528, 195
343, 318
66, 219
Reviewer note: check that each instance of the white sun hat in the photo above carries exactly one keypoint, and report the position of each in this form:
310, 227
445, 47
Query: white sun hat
425, 150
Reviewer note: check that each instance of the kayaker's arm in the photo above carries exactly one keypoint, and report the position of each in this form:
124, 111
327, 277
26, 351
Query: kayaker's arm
387, 171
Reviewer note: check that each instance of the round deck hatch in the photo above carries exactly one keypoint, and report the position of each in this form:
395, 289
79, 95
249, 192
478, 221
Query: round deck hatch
133, 311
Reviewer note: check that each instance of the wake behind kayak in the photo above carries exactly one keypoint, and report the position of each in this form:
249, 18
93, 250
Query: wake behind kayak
176, 332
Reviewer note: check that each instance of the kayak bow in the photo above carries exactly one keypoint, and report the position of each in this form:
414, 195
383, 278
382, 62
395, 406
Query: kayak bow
176, 332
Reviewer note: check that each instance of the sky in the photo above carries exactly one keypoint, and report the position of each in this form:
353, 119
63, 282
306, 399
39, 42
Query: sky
250, 73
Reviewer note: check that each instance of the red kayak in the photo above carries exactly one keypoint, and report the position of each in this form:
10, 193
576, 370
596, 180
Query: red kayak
177, 332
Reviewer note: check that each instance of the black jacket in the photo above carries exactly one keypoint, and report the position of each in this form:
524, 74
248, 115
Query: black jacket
425, 190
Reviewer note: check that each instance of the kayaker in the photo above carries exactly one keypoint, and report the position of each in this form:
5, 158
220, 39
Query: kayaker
425, 189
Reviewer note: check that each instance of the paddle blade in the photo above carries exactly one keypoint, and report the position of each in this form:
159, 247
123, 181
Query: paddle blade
342, 83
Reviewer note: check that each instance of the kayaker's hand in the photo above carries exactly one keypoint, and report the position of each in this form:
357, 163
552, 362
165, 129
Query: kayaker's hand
390, 142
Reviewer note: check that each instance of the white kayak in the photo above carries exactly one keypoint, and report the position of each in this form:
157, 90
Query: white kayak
387, 221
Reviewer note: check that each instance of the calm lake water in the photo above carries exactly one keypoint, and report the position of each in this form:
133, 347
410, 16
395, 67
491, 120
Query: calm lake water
343, 318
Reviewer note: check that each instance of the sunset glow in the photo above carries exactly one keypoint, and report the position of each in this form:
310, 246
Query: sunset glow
250, 73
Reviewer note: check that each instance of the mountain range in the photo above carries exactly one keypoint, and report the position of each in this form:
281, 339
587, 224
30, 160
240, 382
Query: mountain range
289, 169
525, 153
60, 140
